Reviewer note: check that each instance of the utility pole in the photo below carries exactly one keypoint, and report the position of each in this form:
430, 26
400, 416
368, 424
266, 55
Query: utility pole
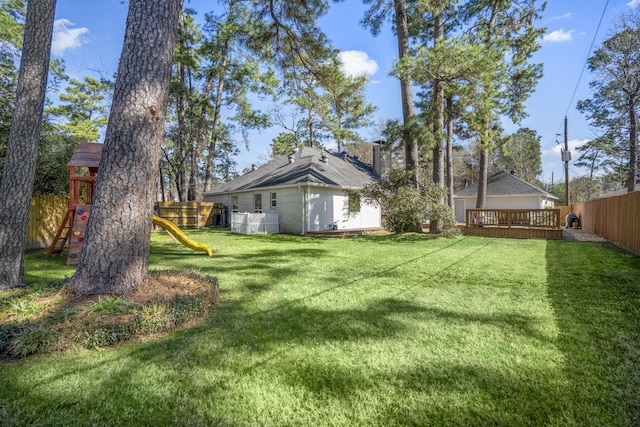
566, 156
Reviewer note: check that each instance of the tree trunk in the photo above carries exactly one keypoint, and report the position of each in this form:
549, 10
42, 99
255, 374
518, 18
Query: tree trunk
482, 179
115, 256
211, 151
16, 188
438, 100
408, 109
633, 148
450, 152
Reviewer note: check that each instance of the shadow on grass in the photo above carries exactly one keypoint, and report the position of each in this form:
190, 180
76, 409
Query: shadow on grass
595, 292
176, 378
275, 365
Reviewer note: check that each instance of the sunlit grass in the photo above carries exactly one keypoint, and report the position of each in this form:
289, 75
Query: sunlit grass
379, 330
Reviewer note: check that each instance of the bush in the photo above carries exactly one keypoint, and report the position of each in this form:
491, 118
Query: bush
407, 207
31, 340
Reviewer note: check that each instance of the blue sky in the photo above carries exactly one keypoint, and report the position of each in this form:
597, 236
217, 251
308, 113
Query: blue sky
88, 36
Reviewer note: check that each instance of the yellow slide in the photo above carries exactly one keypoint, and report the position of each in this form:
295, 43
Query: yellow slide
182, 238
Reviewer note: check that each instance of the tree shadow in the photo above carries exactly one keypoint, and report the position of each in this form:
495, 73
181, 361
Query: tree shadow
595, 293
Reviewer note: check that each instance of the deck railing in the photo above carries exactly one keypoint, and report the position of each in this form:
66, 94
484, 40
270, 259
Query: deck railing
508, 218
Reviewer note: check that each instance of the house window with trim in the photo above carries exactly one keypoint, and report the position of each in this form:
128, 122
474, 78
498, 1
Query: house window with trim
234, 203
353, 202
257, 203
274, 203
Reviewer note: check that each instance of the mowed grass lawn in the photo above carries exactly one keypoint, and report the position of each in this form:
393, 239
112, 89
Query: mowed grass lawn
378, 330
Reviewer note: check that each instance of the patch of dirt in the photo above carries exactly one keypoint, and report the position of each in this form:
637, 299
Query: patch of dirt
166, 301
158, 286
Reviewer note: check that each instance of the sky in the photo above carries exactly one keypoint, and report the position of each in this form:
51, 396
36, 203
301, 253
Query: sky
88, 36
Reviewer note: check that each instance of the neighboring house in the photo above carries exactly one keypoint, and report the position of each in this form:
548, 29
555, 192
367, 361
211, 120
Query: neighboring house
308, 191
504, 191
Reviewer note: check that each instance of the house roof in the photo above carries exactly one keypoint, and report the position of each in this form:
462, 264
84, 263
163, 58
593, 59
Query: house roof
504, 184
308, 166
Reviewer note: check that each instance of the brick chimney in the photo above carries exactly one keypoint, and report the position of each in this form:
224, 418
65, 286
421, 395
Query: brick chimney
381, 158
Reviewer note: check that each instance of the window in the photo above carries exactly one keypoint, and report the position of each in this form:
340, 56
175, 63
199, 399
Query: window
257, 203
354, 202
273, 200
234, 203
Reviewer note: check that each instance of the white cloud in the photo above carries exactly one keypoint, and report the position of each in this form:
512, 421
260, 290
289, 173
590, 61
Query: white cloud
357, 63
633, 3
65, 37
558, 36
565, 16
573, 147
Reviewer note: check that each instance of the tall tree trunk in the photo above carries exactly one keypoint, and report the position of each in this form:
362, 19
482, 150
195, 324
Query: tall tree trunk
181, 173
408, 109
194, 144
633, 147
211, 150
163, 196
16, 188
450, 152
438, 100
115, 256
482, 178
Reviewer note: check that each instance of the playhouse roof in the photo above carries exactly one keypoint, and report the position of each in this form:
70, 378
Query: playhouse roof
504, 184
307, 165
87, 154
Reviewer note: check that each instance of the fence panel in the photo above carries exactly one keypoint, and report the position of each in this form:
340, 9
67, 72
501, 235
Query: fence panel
614, 218
45, 215
190, 214
254, 223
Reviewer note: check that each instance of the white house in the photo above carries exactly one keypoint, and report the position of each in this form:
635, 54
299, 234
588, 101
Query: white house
308, 189
504, 191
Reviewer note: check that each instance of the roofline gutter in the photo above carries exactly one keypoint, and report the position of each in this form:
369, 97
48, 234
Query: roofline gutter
276, 187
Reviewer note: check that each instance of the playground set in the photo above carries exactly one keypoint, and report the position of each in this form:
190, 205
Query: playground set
74, 224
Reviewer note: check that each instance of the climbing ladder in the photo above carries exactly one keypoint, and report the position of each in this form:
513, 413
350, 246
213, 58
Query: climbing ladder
62, 235
77, 233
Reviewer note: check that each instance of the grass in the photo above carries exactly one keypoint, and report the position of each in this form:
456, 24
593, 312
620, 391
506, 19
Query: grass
379, 330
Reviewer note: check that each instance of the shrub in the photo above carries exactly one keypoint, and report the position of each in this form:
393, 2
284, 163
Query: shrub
110, 305
32, 339
407, 207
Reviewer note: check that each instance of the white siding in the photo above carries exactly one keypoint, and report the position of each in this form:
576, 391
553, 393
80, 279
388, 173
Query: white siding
320, 209
504, 202
324, 207
289, 209
368, 217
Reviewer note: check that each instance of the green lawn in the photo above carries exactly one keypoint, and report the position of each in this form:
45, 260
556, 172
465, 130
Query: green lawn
379, 330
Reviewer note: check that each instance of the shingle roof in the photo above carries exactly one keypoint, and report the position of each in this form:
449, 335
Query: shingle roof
504, 184
307, 167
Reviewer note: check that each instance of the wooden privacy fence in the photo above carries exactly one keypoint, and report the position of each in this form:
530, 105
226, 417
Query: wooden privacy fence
47, 212
191, 214
45, 215
617, 219
522, 223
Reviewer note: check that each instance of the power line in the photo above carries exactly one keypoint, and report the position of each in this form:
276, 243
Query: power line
584, 64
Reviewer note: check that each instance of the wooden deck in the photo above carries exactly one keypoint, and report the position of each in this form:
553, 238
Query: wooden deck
514, 223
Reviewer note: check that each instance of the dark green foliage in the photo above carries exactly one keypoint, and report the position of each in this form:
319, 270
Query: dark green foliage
407, 207
283, 144
613, 109
522, 154
156, 316
32, 339
109, 320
